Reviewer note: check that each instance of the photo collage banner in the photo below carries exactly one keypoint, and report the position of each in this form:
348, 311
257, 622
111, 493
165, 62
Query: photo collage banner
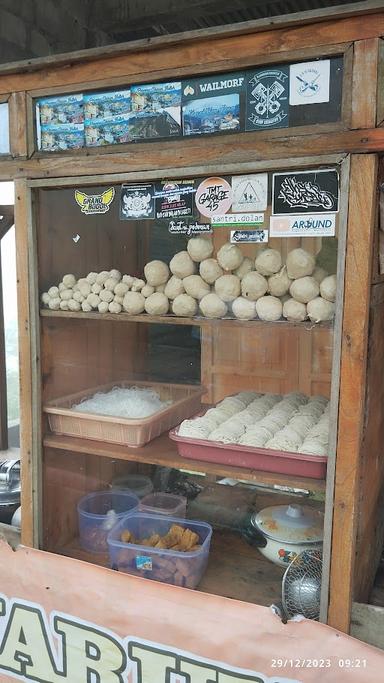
279, 96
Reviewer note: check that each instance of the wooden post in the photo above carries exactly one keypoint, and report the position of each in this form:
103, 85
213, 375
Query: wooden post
358, 268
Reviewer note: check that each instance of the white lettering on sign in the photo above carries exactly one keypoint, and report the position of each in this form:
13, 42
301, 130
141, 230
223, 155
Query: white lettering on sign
318, 225
68, 649
221, 85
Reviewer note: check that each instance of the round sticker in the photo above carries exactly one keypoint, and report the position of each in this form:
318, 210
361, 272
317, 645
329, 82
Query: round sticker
213, 196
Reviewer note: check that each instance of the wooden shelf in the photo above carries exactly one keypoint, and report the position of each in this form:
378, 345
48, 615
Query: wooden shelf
174, 320
162, 451
235, 569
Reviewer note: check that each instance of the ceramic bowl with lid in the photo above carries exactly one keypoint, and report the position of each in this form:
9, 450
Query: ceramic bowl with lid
281, 532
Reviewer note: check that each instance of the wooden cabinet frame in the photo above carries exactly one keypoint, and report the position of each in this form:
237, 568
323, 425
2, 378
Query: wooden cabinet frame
355, 142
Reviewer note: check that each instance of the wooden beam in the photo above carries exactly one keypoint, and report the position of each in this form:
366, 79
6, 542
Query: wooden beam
358, 269
3, 375
227, 53
364, 84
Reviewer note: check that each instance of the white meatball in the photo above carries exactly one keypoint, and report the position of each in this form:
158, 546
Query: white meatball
78, 296
200, 248
53, 292
212, 306
45, 298
128, 279
93, 300
96, 288
54, 303
118, 299
91, 278
86, 307
102, 277
62, 286
253, 286
147, 290
210, 270
84, 287
294, 310
111, 283
320, 309
74, 305
195, 286
279, 284
319, 274
304, 289
64, 305
269, 308
66, 294
328, 288
121, 288
115, 274
174, 287
106, 295
114, 307
103, 307
133, 303
246, 267
227, 287
156, 273
300, 263
157, 304
69, 280
182, 265
137, 284
268, 262
184, 306
230, 256
244, 309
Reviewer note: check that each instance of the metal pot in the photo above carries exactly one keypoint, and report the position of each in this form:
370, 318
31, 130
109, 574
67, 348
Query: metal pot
9, 489
281, 532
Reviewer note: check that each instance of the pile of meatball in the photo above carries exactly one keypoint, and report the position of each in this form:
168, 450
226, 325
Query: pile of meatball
196, 282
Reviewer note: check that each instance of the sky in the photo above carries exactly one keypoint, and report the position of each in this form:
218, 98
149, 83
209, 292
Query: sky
8, 260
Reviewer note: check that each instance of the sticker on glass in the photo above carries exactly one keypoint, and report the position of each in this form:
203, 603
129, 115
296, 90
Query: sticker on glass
309, 82
137, 202
188, 227
250, 192
213, 196
213, 104
156, 111
144, 562
238, 219
249, 236
174, 198
318, 225
95, 203
305, 192
267, 98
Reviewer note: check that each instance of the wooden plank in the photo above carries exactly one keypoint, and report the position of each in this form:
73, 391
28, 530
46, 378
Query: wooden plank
170, 319
380, 85
162, 451
335, 391
230, 52
50, 170
362, 206
3, 375
252, 26
11, 534
18, 124
346, 102
29, 367
367, 624
240, 61
364, 83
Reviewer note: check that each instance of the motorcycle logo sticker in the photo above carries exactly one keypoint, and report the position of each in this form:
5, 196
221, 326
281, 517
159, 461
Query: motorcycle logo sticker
309, 82
137, 202
267, 99
213, 196
305, 192
95, 203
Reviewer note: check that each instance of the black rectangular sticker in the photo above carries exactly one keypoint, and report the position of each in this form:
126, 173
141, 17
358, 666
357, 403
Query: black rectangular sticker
137, 202
213, 104
305, 192
175, 198
267, 98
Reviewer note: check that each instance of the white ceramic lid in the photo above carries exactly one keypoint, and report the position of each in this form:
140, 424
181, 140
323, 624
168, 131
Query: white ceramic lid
291, 523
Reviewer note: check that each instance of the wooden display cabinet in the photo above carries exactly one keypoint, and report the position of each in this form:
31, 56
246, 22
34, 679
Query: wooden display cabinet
62, 352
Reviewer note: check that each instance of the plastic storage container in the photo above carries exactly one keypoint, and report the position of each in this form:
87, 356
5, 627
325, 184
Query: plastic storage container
139, 484
186, 400
164, 504
169, 566
98, 513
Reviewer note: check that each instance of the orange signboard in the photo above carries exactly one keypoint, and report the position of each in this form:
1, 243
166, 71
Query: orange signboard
64, 620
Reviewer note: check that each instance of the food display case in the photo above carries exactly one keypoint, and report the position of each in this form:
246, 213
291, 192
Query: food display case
199, 285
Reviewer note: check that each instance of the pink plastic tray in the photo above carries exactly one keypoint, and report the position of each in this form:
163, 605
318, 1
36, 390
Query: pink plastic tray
265, 459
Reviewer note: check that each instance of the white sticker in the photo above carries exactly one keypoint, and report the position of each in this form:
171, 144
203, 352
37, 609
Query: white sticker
245, 219
309, 82
250, 192
318, 225
249, 236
